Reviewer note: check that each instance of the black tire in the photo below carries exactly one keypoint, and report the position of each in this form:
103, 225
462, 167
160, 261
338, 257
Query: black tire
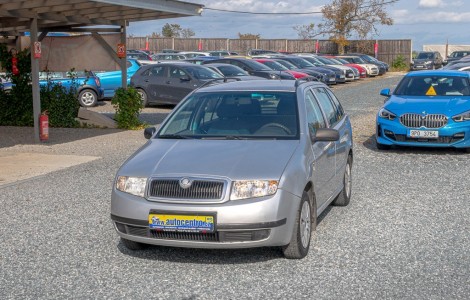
467, 150
302, 234
131, 245
345, 195
382, 146
143, 96
88, 98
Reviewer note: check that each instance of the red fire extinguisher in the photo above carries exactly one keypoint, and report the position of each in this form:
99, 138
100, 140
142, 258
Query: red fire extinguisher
44, 126
14, 63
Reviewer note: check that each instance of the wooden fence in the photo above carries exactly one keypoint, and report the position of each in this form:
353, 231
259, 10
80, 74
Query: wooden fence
388, 50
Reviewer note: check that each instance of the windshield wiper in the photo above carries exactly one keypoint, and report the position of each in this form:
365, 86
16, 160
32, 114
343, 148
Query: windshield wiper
174, 136
228, 137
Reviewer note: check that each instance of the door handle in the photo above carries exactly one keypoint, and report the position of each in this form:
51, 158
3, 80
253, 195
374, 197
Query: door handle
168, 82
146, 80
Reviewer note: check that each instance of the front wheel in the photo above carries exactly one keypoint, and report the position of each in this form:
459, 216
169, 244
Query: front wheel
88, 98
305, 223
143, 97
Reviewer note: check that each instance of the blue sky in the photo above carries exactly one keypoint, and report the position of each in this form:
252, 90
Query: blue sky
425, 22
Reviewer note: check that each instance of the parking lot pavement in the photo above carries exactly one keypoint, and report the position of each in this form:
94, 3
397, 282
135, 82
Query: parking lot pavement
404, 235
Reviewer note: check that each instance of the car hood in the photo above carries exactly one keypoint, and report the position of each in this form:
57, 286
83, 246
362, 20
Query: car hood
431, 105
233, 159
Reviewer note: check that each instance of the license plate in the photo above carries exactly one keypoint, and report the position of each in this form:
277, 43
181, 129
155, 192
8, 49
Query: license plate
181, 223
428, 134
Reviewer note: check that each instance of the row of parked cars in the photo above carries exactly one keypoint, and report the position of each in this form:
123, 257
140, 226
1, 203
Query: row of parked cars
168, 81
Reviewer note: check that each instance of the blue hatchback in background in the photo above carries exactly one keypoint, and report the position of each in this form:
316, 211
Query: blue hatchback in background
111, 81
427, 109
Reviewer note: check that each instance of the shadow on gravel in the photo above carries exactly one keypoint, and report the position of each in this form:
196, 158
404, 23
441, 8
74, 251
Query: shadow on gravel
11, 136
371, 145
204, 256
211, 256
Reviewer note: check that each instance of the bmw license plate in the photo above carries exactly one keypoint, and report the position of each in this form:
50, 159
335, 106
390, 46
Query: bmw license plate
424, 134
181, 223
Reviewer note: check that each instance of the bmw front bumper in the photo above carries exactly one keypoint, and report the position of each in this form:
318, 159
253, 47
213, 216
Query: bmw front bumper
454, 134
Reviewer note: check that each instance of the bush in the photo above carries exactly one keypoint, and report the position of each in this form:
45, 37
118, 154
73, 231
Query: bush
128, 105
16, 107
400, 64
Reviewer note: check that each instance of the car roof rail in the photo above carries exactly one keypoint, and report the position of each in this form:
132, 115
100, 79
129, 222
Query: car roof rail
215, 80
303, 80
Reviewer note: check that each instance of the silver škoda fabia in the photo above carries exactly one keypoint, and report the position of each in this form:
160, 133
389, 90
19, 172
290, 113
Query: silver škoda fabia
238, 165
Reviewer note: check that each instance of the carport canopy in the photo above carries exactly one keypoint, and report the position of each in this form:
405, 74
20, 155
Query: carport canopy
18, 17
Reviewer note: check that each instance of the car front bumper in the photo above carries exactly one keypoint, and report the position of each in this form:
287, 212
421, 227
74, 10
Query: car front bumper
257, 222
452, 135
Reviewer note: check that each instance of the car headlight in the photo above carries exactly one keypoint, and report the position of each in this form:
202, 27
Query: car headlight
462, 117
428, 62
385, 114
132, 185
244, 189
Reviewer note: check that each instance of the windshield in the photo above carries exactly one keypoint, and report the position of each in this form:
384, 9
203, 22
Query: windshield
274, 65
425, 55
286, 64
256, 65
343, 61
200, 72
326, 61
234, 115
433, 86
230, 70
301, 63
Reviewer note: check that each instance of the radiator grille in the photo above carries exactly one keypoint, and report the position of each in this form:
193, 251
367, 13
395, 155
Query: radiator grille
427, 121
199, 189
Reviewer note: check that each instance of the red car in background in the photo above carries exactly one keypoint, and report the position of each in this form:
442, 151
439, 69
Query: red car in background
278, 67
361, 69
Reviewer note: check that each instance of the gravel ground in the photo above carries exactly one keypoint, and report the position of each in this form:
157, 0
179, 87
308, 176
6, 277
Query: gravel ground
404, 235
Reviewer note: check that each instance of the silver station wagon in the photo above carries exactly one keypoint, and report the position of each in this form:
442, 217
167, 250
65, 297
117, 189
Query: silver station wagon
238, 165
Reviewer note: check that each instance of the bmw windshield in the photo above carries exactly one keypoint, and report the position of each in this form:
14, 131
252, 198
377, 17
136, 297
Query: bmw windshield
234, 115
433, 86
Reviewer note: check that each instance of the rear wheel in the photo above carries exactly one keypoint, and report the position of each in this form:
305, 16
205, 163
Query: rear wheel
143, 97
131, 245
345, 196
88, 98
305, 223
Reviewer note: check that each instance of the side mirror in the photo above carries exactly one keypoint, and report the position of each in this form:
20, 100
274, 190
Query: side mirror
326, 135
149, 132
385, 92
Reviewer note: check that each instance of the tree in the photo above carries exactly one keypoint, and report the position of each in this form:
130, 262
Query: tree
171, 30
306, 32
187, 33
249, 36
343, 18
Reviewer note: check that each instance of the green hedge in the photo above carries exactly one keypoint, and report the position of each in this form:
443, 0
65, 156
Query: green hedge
16, 107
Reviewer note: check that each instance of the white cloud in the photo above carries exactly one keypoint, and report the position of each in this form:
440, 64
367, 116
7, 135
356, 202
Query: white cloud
430, 3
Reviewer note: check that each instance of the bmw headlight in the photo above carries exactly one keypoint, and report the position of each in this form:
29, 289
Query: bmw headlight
462, 117
385, 114
131, 185
244, 189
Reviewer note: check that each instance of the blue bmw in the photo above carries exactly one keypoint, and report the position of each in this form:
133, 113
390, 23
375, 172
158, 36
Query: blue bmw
427, 109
